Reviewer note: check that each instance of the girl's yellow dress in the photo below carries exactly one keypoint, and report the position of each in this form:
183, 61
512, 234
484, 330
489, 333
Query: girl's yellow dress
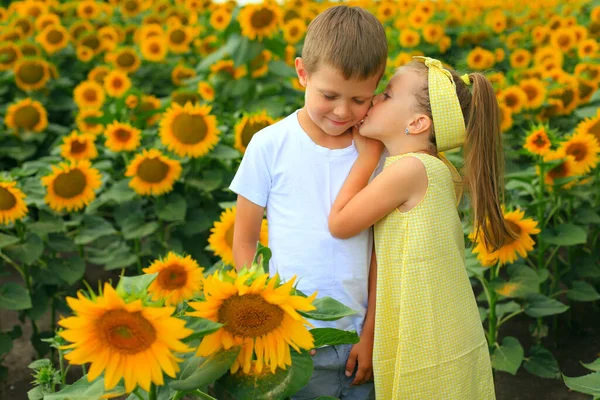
429, 340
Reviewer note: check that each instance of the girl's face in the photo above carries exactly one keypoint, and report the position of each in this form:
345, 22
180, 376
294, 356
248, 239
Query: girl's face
395, 108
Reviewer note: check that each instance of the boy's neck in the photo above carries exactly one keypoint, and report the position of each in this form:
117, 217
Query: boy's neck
321, 138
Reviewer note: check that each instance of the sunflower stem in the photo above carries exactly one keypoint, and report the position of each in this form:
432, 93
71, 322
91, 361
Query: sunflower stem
492, 298
61, 363
136, 244
152, 394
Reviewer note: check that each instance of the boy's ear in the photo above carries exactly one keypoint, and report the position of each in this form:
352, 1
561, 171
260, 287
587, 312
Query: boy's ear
302, 74
420, 124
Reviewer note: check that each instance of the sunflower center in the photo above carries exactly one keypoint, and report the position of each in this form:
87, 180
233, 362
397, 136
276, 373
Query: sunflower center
511, 101
595, 129
91, 42
531, 92
564, 41
477, 58
540, 141
262, 18
7, 199
7, 55
127, 332
31, 72
78, 147
122, 135
189, 129
155, 48
515, 228
27, 117
70, 184
152, 170
294, 31
249, 131
117, 83
567, 97
178, 36
131, 6
90, 95
577, 150
249, 315
55, 37
172, 277
560, 171
126, 60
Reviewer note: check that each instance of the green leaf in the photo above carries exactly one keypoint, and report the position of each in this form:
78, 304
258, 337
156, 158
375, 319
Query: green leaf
582, 291
506, 308
523, 280
172, 208
588, 384
543, 274
211, 180
84, 390
120, 192
5, 344
93, 227
539, 305
594, 366
27, 252
328, 309
333, 337
223, 152
135, 284
281, 69
137, 232
229, 48
37, 393
7, 240
37, 364
586, 216
200, 371
61, 243
509, 356
483, 313
542, 363
70, 270
39, 303
201, 327
586, 267
14, 297
327, 398
267, 386
564, 235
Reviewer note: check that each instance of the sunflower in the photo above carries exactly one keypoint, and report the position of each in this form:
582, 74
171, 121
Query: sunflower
433, 33
189, 130
9, 55
584, 148
588, 71
590, 126
149, 103
154, 48
506, 117
79, 146
53, 38
180, 73
28, 115
131, 8
409, 38
260, 316
29, 50
91, 41
538, 142
221, 238
132, 101
535, 91
290, 55
539, 35
153, 173
294, 31
125, 340
89, 94
588, 48
86, 126
227, 67
31, 73
88, 9
71, 186
179, 38
568, 93
220, 18
520, 58
12, 203
587, 89
31, 8
547, 53
116, 83
563, 39
84, 54
386, 11
179, 278
417, 19
565, 169
24, 24
79, 28
248, 126
480, 59
147, 31
522, 227
126, 59
496, 20
259, 66
260, 20
206, 91
553, 108
122, 137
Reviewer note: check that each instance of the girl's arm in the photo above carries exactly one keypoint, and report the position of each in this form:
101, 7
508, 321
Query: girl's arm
358, 205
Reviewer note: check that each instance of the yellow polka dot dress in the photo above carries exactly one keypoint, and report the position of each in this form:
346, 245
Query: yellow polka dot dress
429, 340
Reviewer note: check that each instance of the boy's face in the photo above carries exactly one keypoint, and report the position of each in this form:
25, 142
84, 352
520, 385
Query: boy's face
334, 103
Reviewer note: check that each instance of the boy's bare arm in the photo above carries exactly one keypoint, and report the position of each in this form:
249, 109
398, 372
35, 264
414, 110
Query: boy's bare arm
248, 220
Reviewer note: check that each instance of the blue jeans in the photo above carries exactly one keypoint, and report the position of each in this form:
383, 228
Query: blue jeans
329, 377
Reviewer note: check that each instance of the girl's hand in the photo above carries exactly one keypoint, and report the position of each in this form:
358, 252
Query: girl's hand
366, 147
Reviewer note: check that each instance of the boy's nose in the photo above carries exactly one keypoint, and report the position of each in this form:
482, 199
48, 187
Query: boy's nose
343, 112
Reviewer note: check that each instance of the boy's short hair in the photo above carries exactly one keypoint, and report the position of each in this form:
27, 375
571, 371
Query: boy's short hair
348, 38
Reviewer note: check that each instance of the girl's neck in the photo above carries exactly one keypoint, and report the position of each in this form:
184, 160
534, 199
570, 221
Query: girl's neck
396, 149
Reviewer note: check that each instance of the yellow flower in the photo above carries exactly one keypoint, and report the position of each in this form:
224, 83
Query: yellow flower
116, 83
9, 54
259, 316
417, 19
409, 38
89, 94
506, 117
587, 89
227, 67
149, 104
31, 73
259, 66
220, 18
221, 239
131, 8
98, 73
522, 227
91, 41
444, 44
565, 169
248, 126
553, 108
180, 73
12, 203
147, 31
79, 28
71, 186
433, 33
84, 54
588, 48
259, 21
122, 137
590, 126
588, 71
179, 38
538, 142
189, 130
131, 101
88, 9
290, 55
208, 45
28, 115
520, 58
563, 39
294, 30
496, 20
29, 50
535, 91
126, 59
386, 11
514, 98
154, 48
79, 146
125, 340
153, 173
584, 149
480, 59
206, 91
514, 40
184, 96
179, 278
539, 34
53, 38
86, 126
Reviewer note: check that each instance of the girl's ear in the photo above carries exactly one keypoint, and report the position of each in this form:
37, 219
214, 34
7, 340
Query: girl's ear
302, 74
420, 124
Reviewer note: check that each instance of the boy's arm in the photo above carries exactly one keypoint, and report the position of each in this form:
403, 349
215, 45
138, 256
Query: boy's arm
248, 220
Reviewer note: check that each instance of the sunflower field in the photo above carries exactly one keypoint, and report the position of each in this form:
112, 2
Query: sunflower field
122, 123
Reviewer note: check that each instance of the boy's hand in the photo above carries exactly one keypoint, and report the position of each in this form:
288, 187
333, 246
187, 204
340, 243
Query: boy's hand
361, 353
365, 146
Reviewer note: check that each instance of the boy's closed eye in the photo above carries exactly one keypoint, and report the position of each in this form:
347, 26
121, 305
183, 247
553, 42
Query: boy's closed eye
333, 97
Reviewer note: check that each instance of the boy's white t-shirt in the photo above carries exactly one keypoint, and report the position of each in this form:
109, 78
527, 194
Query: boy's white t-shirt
297, 181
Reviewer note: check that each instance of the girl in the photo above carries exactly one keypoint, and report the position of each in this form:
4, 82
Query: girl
429, 341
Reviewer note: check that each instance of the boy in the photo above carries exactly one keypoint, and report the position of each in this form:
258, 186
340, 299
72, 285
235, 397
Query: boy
295, 169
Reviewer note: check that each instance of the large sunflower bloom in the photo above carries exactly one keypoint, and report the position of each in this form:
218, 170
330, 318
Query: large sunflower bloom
153, 173
31, 73
29, 115
258, 316
538, 142
12, 203
79, 146
122, 137
125, 340
89, 94
116, 83
590, 125
179, 278
53, 38
584, 148
565, 169
86, 126
522, 227
71, 186
189, 130
248, 126
260, 20
535, 91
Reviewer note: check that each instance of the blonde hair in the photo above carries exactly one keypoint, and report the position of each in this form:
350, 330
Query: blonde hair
348, 38
483, 151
